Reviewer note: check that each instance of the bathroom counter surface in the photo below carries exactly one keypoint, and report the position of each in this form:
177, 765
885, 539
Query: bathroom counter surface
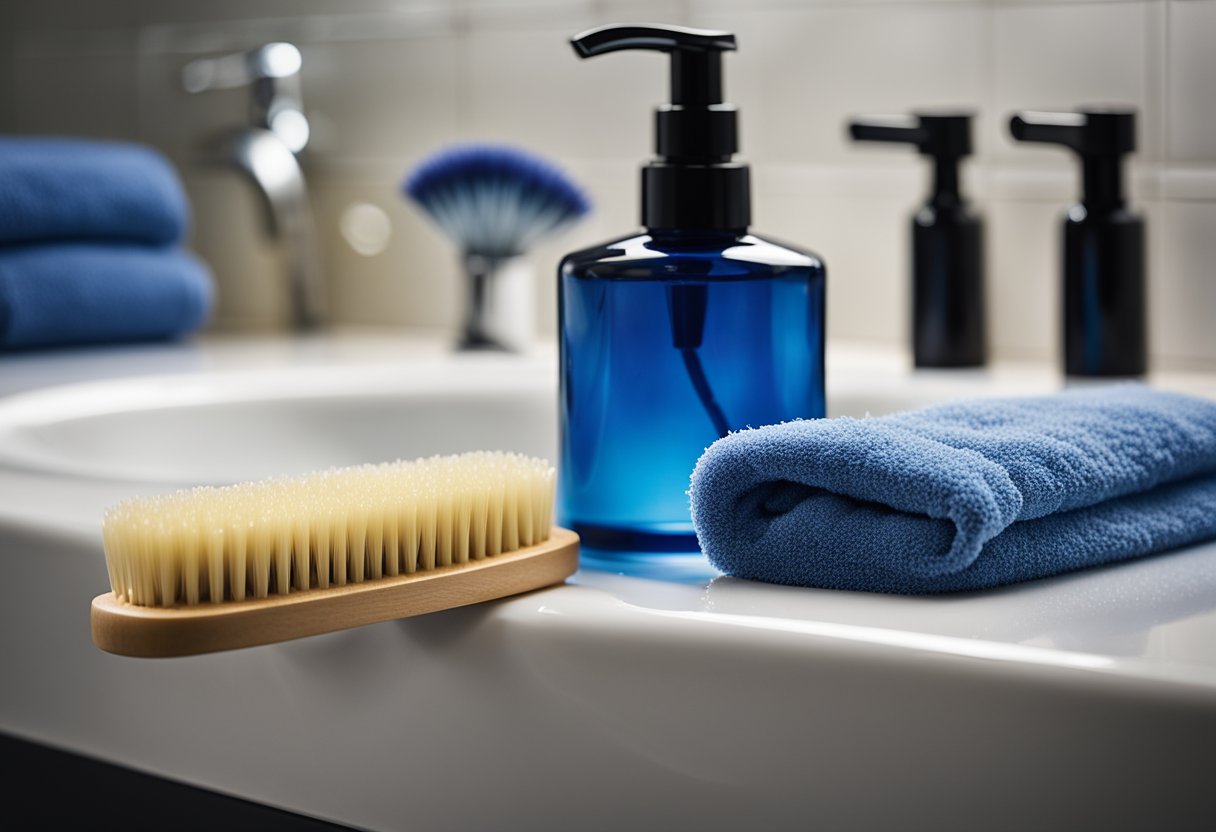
642, 674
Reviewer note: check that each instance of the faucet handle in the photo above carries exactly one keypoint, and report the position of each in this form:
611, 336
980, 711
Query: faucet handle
273, 71
240, 69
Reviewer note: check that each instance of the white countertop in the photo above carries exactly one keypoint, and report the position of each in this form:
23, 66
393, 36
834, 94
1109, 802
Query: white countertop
1156, 616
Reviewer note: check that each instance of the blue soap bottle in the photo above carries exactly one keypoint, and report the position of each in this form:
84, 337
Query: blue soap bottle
674, 335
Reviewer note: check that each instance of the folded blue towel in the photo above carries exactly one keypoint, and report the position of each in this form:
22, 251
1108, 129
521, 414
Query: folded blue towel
73, 189
963, 495
75, 293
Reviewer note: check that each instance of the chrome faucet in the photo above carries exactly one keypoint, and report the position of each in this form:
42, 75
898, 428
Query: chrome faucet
266, 153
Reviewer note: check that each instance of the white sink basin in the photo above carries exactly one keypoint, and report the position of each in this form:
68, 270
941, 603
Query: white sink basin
240, 425
223, 427
615, 701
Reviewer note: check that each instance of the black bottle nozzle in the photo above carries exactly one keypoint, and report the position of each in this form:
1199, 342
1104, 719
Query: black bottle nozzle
696, 62
693, 184
946, 137
1105, 331
934, 134
1101, 137
947, 241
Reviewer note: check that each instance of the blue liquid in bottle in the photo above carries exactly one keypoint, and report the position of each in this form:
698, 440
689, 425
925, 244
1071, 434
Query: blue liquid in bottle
668, 340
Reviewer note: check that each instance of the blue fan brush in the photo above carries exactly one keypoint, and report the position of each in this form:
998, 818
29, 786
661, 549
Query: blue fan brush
495, 203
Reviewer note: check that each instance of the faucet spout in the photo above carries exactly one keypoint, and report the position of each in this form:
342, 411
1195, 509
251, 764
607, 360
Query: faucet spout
267, 154
276, 174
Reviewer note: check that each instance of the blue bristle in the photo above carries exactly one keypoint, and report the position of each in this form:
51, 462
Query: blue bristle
494, 201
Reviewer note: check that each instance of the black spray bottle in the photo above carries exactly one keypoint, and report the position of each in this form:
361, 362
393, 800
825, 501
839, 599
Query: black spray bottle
678, 333
1105, 333
947, 241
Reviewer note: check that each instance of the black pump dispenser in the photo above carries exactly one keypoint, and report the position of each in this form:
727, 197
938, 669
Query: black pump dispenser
947, 241
693, 184
1104, 294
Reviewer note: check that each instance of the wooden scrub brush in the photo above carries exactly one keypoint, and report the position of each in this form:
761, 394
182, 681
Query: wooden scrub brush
220, 568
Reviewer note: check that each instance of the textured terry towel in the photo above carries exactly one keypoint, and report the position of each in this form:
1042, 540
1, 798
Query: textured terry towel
963, 495
71, 189
90, 293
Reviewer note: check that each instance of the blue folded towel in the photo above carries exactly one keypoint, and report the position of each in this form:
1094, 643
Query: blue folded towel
73, 189
76, 293
963, 495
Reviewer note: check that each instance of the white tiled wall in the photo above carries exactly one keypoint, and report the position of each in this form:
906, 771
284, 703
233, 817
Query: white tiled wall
1191, 82
388, 81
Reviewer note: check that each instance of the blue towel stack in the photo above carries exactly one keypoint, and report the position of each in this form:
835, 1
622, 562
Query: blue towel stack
90, 246
961, 496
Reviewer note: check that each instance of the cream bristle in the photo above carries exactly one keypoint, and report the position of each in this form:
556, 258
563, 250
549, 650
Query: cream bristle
325, 529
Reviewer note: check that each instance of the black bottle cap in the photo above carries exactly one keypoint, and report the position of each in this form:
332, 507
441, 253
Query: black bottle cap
946, 137
693, 184
1100, 136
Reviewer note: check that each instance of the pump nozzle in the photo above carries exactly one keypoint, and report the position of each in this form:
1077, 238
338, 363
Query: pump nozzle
658, 36
693, 184
696, 63
946, 137
1091, 132
1101, 137
696, 127
943, 135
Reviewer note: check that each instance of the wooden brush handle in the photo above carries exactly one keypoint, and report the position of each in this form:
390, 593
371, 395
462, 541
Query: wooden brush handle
152, 632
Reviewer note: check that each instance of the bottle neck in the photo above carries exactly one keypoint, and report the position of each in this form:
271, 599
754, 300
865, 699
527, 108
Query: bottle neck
945, 181
1102, 180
